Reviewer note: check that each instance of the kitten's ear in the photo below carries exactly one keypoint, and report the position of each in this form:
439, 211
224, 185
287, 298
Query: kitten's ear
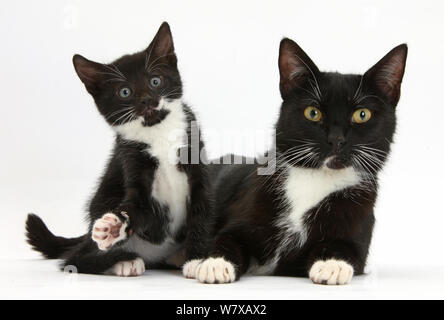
90, 72
162, 45
295, 67
386, 75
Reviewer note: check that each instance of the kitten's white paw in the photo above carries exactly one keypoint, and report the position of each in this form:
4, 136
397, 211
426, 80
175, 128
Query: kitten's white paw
108, 230
215, 270
190, 267
331, 272
131, 268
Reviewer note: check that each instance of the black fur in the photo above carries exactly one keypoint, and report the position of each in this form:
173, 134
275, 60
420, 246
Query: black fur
248, 205
126, 185
43, 240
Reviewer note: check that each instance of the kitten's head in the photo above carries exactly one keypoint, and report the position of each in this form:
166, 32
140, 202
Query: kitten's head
337, 120
136, 86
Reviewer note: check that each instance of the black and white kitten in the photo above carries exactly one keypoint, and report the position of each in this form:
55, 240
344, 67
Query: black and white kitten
150, 208
313, 216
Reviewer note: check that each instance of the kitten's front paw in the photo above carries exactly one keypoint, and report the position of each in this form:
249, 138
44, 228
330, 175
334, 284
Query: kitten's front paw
190, 267
131, 268
215, 270
109, 230
331, 272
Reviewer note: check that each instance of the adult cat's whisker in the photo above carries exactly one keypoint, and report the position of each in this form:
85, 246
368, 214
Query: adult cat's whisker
315, 97
299, 156
372, 157
369, 167
312, 156
358, 91
369, 96
363, 169
294, 155
373, 149
312, 73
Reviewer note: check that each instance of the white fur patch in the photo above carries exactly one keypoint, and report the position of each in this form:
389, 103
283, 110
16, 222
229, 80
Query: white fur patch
190, 267
104, 230
132, 268
215, 270
303, 189
331, 272
170, 186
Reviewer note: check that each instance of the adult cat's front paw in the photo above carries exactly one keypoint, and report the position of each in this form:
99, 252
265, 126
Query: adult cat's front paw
189, 269
109, 230
331, 272
131, 268
215, 270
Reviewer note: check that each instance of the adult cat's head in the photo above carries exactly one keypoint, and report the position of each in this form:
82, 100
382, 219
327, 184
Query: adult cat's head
337, 120
135, 87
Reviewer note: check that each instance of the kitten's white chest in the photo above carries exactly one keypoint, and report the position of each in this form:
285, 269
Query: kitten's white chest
170, 185
305, 188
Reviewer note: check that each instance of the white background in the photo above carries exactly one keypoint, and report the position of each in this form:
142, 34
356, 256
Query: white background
54, 143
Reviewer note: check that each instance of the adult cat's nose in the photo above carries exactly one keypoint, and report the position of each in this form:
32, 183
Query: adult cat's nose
336, 138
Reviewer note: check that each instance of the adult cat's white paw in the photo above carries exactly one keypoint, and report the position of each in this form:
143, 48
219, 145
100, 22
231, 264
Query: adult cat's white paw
331, 272
190, 267
108, 230
131, 268
215, 270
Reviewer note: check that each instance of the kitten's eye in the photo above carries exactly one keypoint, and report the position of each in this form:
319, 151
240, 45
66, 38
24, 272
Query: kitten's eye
313, 114
361, 115
155, 82
125, 92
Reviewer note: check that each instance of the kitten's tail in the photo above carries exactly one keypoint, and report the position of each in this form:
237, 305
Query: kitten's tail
44, 241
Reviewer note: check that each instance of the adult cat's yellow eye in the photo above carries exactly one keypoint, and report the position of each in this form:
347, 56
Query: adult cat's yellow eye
362, 115
313, 114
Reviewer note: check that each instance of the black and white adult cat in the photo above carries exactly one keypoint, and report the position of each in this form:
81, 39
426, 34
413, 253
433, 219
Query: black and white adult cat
149, 208
313, 216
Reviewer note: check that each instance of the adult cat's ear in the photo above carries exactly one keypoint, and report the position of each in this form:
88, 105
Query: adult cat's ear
90, 72
295, 67
386, 75
162, 46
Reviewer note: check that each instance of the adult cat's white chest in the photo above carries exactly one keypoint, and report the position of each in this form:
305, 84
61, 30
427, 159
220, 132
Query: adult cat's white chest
305, 188
170, 185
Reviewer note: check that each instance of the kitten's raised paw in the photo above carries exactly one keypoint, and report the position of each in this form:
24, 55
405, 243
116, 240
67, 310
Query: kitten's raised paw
190, 267
215, 270
131, 268
332, 272
108, 230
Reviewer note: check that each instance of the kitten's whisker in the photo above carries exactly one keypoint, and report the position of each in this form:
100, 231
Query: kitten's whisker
121, 117
150, 67
117, 112
115, 71
148, 57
